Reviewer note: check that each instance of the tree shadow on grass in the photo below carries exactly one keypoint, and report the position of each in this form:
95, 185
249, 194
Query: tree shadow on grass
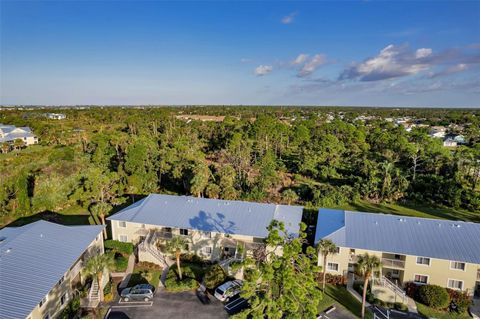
53, 217
411, 209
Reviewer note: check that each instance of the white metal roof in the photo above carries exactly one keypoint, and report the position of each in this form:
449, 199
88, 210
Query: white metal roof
434, 238
223, 216
33, 258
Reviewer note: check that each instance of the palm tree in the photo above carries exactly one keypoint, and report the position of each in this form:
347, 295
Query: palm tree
96, 266
18, 144
326, 247
175, 247
5, 147
366, 265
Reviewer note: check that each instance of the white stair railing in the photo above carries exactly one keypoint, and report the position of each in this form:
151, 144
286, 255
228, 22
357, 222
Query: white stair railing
385, 282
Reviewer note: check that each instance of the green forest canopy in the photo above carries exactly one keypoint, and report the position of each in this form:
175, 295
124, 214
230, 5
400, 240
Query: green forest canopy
99, 159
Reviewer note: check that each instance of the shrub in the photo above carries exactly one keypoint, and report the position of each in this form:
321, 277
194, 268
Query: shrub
332, 279
359, 288
71, 309
400, 306
214, 276
433, 296
121, 262
461, 299
118, 246
107, 292
411, 289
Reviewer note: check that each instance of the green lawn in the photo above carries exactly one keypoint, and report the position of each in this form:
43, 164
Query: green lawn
432, 313
144, 275
340, 295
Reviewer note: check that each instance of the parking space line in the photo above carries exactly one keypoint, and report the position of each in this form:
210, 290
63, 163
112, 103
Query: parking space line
132, 304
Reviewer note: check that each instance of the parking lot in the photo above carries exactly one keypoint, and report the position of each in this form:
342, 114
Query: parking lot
169, 305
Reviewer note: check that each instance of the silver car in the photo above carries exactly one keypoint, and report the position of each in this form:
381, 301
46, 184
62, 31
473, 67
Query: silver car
228, 290
139, 292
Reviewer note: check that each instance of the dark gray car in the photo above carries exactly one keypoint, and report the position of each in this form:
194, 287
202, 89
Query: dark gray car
139, 292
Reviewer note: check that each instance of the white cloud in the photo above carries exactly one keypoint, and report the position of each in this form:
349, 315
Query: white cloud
450, 70
392, 61
263, 70
423, 53
312, 64
289, 18
301, 58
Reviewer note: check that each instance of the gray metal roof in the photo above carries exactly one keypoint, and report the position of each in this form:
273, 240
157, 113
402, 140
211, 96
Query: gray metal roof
33, 258
434, 238
223, 216
11, 133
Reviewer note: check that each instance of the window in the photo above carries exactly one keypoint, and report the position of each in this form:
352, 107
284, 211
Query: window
421, 279
183, 232
47, 316
455, 284
352, 251
457, 265
397, 257
207, 234
337, 249
64, 299
123, 238
332, 266
42, 302
61, 280
423, 261
122, 224
208, 250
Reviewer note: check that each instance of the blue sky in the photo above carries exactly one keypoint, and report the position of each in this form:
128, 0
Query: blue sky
402, 53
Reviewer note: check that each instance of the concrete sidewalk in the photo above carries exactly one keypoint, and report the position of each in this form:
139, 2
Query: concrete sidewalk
128, 272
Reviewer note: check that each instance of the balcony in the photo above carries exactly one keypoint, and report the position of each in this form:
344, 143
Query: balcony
393, 263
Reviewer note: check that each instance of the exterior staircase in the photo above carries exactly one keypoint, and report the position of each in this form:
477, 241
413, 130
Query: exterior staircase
148, 251
93, 295
388, 290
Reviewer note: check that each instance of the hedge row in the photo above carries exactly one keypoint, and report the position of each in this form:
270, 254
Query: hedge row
118, 246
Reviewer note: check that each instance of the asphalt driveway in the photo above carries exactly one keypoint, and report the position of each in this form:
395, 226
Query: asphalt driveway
168, 305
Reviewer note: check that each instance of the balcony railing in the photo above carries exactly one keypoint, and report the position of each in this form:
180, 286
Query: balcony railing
76, 269
393, 263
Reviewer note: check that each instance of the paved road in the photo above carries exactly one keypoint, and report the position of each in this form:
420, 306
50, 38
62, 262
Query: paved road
168, 305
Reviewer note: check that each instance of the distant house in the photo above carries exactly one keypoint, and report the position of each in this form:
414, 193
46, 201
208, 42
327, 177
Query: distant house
460, 139
418, 250
450, 142
10, 133
56, 116
438, 131
40, 267
215, 229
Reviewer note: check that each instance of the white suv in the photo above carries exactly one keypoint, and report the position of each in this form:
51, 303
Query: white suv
227, 290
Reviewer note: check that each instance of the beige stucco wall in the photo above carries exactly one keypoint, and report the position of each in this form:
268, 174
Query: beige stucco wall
439, 271
197, 240
53, 305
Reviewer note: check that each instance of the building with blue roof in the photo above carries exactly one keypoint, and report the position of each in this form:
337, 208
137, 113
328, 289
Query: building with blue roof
419, 250
214, 228
40, 264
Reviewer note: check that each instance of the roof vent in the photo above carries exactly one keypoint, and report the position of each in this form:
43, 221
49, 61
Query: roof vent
2, 239
376, 223
402, 220
41, 235
418, 223
456, 225
8, 250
